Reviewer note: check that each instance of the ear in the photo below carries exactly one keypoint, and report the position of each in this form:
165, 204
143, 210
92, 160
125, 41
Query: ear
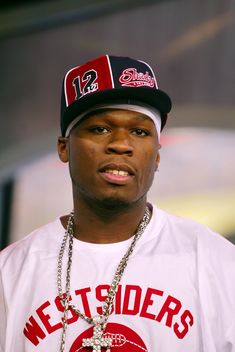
62, 148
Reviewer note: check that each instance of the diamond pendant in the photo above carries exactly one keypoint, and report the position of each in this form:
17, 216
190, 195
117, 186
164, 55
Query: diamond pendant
97, 341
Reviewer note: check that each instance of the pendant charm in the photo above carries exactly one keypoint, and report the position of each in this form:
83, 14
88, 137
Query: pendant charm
97, 341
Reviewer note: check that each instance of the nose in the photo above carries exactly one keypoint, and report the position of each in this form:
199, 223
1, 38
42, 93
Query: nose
120, 143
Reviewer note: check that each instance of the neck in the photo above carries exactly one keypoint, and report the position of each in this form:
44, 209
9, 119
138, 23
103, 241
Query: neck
101, 224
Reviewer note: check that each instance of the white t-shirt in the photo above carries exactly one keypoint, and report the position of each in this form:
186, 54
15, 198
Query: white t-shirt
177, 293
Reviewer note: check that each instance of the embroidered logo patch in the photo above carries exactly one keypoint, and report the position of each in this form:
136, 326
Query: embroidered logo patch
130, 77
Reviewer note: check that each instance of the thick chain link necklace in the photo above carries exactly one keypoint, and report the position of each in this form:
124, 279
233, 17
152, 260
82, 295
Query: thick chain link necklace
97, 341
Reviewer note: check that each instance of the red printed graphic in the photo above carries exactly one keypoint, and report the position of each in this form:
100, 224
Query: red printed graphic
123, 338
132, 78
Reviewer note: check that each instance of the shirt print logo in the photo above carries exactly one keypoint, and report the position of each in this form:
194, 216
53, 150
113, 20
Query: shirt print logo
130, 300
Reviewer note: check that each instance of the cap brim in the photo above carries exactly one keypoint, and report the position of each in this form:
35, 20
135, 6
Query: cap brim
153, 97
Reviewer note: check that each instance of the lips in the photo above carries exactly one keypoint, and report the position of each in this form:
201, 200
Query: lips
119, 174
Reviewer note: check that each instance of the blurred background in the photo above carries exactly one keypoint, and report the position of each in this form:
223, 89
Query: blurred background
190, 45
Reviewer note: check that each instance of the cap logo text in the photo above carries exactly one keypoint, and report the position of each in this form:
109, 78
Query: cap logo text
130, 77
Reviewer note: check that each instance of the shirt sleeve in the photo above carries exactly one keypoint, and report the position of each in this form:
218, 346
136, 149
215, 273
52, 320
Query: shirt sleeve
230, 339
217, 290
2, 316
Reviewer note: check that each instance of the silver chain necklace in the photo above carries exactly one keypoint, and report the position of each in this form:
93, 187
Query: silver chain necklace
97, 341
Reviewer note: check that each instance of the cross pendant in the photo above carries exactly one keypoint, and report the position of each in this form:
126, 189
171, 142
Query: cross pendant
97, 341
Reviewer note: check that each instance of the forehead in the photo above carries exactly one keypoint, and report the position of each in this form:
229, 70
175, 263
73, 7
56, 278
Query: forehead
117, 115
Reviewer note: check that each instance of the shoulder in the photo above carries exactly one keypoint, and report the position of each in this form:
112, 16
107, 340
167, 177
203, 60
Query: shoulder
210, 257
39, 241
188, 234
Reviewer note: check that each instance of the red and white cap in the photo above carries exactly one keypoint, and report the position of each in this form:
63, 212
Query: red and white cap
111, 81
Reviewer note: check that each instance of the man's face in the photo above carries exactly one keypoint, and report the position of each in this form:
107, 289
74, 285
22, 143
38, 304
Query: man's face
112, 156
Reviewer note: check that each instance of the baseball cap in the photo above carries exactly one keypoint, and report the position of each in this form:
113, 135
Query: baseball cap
110, 80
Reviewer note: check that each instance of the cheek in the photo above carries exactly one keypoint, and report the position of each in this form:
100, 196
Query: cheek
83, 153
89, 148
150, 158
149, 166
82, 159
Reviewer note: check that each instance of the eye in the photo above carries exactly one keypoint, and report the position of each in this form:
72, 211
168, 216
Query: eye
140, 132
99, 130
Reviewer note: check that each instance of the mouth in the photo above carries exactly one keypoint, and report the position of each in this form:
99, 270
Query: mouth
120, 174
117, 172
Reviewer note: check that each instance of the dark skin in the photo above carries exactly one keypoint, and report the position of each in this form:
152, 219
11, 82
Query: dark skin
112, 156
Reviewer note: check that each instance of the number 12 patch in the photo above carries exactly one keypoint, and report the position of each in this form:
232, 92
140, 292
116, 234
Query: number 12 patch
85, 84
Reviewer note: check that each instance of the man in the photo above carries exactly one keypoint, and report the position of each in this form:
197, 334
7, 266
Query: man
117, 274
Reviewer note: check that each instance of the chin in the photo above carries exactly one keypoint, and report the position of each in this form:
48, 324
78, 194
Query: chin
113, 203
117, 203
